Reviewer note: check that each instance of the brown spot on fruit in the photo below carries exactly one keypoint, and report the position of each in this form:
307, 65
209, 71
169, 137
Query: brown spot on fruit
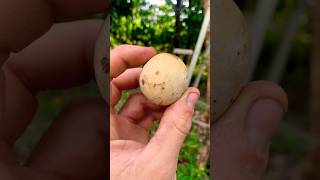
163, 88
105, 64
142, 82
157, 73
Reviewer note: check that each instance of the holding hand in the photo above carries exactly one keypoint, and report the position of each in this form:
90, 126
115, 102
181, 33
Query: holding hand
133, 155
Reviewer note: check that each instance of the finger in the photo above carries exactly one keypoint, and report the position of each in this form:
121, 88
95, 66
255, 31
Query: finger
18, 30
139, 110
63, 58
127, 56
75, 144
122, 129
134, 120
174, 126
127, 80
247, 127
74, 9
60, 59
254, 91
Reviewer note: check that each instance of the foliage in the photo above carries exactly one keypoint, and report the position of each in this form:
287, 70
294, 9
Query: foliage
142, 23
139, 22
187, 168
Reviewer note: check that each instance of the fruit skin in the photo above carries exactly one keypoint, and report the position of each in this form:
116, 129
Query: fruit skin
230, 52
163, 79
101, 61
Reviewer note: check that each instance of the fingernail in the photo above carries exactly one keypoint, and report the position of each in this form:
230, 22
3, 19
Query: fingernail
192, 99
263, 119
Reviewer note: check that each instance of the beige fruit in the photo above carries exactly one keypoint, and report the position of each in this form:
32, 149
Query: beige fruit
230, 55
163, 79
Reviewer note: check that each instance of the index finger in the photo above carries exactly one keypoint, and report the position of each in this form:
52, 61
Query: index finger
128, 56
74, 9
33, 18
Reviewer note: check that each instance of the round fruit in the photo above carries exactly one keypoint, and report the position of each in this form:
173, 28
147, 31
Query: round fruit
163, 79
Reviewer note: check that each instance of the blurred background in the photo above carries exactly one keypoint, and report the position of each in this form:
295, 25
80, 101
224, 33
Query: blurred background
173, 26
49, 106
285, 49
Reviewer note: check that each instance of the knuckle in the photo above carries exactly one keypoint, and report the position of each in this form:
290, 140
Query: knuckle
187, 111
182, 121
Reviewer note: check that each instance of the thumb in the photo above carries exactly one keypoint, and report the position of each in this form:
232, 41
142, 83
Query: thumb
241, 138
174, 125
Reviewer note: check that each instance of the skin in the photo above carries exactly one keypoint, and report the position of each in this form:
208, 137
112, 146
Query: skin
74, 144
240, 139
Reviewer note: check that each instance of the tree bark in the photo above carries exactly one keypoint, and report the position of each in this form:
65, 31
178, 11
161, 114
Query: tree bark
189, 42
178, 24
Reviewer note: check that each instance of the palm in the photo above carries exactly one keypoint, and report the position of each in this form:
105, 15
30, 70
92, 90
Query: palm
125, 157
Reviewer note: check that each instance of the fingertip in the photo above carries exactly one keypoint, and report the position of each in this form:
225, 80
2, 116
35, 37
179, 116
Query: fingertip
194, 89
127, 56
191, 90
262, 122
272, 90
152, 50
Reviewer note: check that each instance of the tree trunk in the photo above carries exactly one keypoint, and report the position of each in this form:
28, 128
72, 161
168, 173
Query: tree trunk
312, 163
178, 24
189, 41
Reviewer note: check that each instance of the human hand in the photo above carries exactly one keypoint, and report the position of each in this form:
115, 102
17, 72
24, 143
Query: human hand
241, 138
132, 154
74, 146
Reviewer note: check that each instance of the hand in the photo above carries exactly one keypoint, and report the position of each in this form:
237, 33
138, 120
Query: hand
241, 138
74, 146
132, 155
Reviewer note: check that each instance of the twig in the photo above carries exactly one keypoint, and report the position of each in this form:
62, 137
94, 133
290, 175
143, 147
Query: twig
200, 123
